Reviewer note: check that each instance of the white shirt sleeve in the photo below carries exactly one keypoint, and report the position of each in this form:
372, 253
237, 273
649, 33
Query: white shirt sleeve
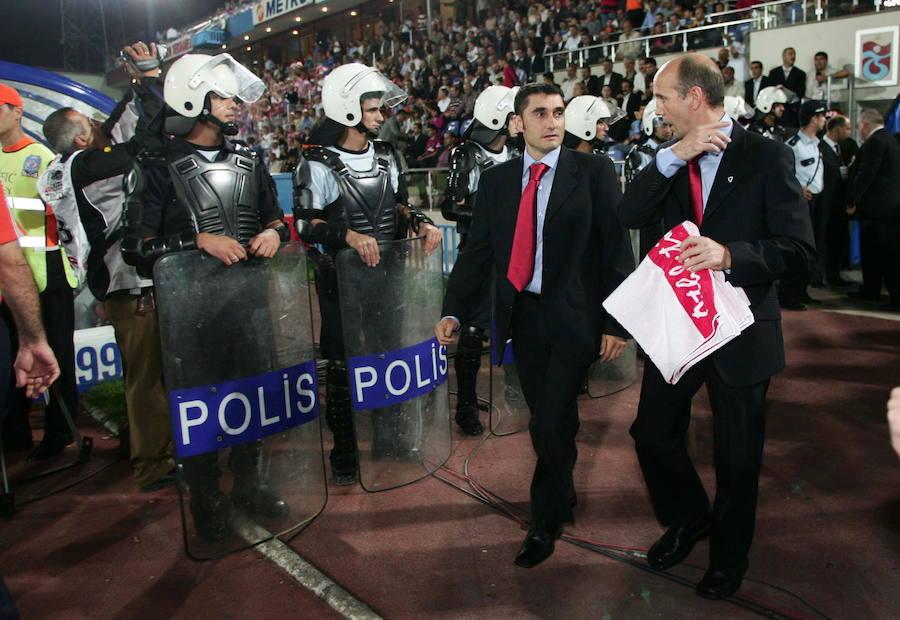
322, 184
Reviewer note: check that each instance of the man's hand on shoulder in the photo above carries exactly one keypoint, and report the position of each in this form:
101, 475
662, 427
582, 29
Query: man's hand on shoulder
702, 139
699, 253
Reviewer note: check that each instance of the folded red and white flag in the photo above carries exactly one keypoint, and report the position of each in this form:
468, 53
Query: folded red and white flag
678, 317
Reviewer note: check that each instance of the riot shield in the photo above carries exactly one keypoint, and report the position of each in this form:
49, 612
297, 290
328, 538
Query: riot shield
238, 365
396, 369
612, 377
509, 411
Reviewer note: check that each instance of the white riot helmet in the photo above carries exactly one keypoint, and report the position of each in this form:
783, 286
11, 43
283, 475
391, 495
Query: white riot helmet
193, 76
770, 95
737, 108
345, 85
585, 111
494, 105
650, 119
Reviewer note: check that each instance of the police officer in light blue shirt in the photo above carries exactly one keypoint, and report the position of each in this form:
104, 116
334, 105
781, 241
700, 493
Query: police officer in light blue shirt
810, 173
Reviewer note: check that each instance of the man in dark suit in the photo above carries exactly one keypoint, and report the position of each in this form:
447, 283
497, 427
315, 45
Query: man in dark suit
739, 188
533, 64
756, 82
792, 78
558, 251
610, 77
833, 253
591, 82
874, 198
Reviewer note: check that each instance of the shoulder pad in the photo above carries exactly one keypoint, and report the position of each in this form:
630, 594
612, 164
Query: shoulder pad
243, 149
383, 148
322, 155
794, 140
155, 157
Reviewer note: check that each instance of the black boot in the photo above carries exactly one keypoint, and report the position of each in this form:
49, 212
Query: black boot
344, 455
251, 491
467, 364
209, 506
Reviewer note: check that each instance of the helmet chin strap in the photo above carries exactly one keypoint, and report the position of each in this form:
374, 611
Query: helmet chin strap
229, 129
370, 133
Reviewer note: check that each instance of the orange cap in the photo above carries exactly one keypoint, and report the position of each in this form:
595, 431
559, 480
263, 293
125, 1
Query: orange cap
10, 95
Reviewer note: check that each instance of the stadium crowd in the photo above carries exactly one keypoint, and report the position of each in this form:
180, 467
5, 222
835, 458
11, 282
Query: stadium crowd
445, 64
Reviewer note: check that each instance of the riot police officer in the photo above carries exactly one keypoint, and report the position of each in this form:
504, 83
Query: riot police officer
349, 192
484, 147
770, 104
588, 119
203, 191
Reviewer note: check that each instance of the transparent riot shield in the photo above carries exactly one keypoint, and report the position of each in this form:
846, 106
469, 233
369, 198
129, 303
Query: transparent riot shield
612, 377
396, 369
238, 365
509, 411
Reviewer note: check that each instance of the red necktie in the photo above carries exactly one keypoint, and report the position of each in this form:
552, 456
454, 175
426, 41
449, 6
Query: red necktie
521, 261
696, 189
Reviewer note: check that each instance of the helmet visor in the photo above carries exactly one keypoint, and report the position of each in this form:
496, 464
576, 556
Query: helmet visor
601, 110
229, 79
372, 81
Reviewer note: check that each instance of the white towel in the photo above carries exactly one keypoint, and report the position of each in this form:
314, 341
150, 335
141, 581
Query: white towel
678, 317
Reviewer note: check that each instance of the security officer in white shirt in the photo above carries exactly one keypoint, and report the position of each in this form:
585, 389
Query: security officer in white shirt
810, 173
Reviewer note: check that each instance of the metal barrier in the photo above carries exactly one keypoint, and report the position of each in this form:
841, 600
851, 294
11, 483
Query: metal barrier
759, 17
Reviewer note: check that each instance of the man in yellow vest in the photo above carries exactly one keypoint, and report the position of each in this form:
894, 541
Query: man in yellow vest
22, 161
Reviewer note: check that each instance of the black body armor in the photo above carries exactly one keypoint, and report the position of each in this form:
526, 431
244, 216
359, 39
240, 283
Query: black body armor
367, 199
220, 195
463, 160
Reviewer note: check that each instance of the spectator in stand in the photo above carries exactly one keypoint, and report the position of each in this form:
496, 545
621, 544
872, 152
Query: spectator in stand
444, 157
628, 48
650, 17
636, 76
428, 158
793, 79
588, 55
634, 12
573, 40
756, 82
533, 64
661, 45
569, 83
591, 82
732, 86
608, 10
509, 73
611, 78
417, 142
733, 56
817, 79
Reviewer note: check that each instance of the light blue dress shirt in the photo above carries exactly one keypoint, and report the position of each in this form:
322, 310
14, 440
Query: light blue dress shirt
808, 166
551, 159
668, 162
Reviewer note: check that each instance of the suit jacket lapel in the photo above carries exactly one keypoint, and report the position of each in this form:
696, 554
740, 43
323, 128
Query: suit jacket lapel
728, 173
564, 182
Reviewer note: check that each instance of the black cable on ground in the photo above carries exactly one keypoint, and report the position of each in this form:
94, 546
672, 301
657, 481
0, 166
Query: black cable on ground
72, 484
629, 555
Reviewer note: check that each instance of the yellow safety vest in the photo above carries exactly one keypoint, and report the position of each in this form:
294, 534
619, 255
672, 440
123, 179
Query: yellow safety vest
20, 167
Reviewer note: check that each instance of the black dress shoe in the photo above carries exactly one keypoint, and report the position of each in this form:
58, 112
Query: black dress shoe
163, 482
676, 543
718, 583
809, 300
539, 544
